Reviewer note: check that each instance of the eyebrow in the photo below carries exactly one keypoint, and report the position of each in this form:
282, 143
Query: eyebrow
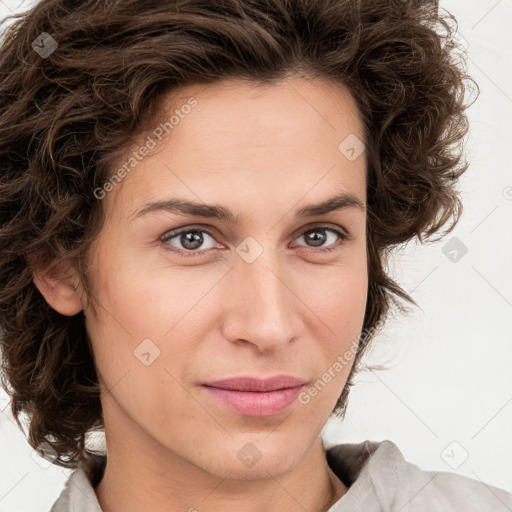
340, 201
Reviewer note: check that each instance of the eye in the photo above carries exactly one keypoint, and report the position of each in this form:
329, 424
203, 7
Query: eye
311, 235
191, 238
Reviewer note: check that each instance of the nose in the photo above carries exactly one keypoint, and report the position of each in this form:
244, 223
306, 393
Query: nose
263, 309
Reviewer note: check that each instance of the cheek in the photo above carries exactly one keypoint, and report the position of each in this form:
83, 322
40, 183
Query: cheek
338, 307
337, 295
143, 311
133, 293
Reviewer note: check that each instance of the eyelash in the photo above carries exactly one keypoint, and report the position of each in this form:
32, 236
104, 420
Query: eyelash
195, 253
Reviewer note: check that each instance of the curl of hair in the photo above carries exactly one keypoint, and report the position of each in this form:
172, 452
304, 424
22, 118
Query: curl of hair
64, 120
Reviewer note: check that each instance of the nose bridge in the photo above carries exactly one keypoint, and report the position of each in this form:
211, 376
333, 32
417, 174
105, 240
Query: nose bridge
263, 301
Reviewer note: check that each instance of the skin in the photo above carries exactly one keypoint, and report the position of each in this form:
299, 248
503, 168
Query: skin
263, 151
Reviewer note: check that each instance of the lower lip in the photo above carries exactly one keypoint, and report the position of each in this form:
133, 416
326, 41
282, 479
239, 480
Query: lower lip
252, 403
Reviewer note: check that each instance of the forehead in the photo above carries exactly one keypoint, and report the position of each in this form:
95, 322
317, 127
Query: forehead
305, 107
236, 136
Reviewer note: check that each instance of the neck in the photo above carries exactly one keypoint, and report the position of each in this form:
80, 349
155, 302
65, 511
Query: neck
132, 487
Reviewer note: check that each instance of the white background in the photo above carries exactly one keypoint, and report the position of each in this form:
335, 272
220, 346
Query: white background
448, 392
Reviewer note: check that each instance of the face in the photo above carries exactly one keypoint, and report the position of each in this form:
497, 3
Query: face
185, 298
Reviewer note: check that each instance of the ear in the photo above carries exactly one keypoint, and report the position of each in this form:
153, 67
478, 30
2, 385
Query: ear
59, 283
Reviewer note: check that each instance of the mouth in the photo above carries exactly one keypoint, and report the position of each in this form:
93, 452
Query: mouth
254, 396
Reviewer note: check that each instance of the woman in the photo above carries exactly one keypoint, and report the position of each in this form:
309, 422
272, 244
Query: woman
198, 200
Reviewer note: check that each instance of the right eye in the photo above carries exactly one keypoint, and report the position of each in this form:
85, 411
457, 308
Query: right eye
190, 239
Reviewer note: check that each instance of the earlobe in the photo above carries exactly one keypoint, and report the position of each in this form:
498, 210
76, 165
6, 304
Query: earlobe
59, 285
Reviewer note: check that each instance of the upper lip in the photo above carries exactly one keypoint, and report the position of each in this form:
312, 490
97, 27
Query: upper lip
249, 383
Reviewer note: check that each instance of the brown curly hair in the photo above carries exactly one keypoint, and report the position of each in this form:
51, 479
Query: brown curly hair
66, 116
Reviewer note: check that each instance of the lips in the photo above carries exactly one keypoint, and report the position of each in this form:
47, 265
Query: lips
255, 396
249, 383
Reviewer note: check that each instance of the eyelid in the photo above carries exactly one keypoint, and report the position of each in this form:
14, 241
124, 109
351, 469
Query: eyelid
188, 227
210, 229
326, 225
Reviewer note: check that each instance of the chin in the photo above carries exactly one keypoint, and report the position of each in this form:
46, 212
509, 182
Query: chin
243, 459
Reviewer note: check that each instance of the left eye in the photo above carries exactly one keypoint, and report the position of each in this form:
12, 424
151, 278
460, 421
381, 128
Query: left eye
191, 239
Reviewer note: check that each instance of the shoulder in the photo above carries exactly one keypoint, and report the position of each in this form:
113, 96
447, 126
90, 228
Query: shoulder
78, 493
462, 493
416, 489
401, 485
